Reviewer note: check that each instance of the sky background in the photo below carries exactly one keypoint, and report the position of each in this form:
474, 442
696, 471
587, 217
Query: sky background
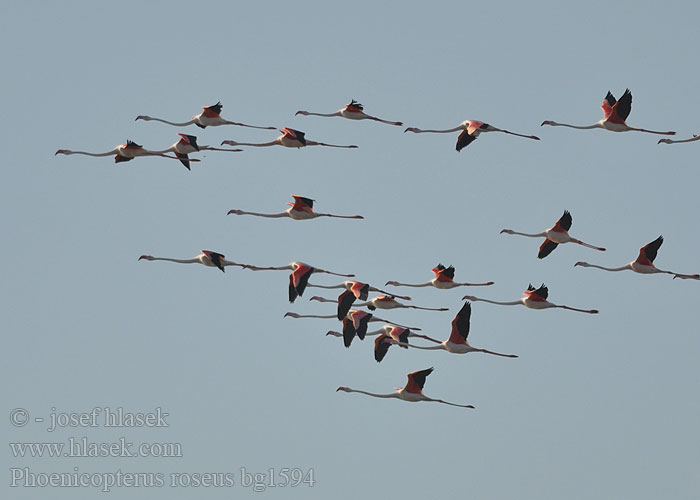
599, 406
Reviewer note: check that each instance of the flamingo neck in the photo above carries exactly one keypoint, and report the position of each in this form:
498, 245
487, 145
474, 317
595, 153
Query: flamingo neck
374, 395
179, 261
580, 127
183, 124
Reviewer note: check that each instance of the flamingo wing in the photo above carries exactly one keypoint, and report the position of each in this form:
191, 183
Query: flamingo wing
348, 331
624, 105
416, 381
213, 111
184, 159
302, 204
216, 259
381, 346
608, 103
464, 139
546, 248
648, 252
299, 278
120, 158
564, 222
460, 325
345, 302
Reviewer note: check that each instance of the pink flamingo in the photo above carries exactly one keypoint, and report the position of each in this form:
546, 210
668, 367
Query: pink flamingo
210, 117
644, 264
532, 299
457, 343
614, 115
122, 153
299, 278
444, 279
555, 235
301, 209
206, 258
290, 138
352, 111
412, 392
383, 302
353, 290
470, 131
187, 145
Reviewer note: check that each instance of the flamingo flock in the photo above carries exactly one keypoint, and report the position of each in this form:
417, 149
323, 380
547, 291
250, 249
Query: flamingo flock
354, 321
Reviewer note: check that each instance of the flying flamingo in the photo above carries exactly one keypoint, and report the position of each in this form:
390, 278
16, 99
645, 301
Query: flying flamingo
210, 117
412, 392
353, 111
533, 299
353, 290
614, 115
393, 331
559, 233
123, 152
669, 141
444, 279
299, 278
188, 144
644, 264
384, 302
457, 343
290, 138
470, 131
207, 258
355, 323
301, 209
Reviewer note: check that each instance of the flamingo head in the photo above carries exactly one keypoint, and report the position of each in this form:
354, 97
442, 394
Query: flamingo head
344, 389
547, 122
146, 257
291, 315
62, 152
305, 113
229, 143
411, 129
392, 283
666, 141
582, 264
233, 211
143, 117
507, 231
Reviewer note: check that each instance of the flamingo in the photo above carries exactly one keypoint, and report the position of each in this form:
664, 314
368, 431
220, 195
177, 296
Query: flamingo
207, 258
533, 299
388, 336
644, 264
559, 233
457, 343
210, 117
412, 392
353, 290
290, 138
301, 209
669, 141
383, 302
355, 323
353, 111
349, 333
614, 115
123, 152
444, 279
299, 277
470, 131
188, 144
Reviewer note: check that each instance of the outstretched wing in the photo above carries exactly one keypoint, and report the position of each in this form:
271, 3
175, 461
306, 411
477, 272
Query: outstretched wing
416, 380
564, 221
546, 248
460, 325
464, 140
650, 250
624, 105
345, 302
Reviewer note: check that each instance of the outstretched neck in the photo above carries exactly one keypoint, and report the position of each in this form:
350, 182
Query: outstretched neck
513, 303
580, 127
414, 285
537, 235
374, 395
177, 124
179, 261
270, 216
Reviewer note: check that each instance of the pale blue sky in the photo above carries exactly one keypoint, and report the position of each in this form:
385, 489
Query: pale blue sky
599, 406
